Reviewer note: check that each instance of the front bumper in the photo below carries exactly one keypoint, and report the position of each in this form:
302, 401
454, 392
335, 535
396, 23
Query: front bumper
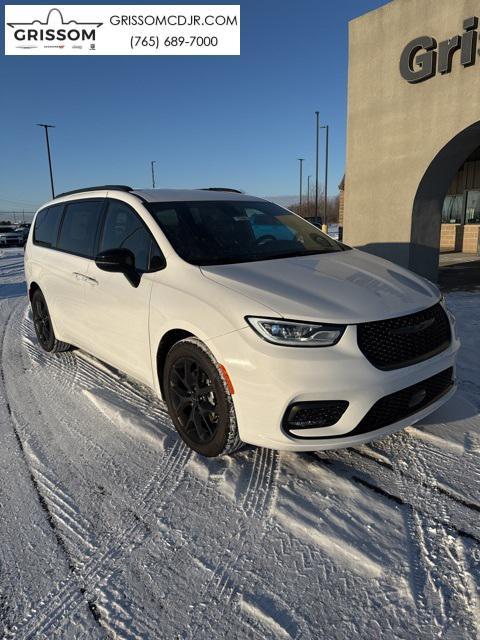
11, 242
268, 378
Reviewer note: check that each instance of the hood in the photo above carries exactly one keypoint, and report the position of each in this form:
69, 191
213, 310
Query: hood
345, 287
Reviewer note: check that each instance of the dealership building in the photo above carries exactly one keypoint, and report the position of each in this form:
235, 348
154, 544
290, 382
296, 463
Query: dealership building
412, 185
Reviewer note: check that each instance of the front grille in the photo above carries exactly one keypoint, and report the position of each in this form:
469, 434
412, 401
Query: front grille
313, 415
402, 404
401, 342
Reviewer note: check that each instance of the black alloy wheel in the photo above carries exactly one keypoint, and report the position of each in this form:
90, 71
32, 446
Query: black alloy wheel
193, 397
42, 322
43, 325
199, 399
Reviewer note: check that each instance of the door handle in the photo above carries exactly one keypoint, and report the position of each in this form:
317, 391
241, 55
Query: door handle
84, 278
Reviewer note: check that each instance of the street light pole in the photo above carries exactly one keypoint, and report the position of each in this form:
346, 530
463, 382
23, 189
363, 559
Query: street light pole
326, 127
47, 127
308, 193
153, 173
301, 179
316, 167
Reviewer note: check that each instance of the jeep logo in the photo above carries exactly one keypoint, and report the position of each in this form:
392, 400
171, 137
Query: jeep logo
422, 57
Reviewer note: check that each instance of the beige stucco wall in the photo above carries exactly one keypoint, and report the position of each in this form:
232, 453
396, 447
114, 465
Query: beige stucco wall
395, 129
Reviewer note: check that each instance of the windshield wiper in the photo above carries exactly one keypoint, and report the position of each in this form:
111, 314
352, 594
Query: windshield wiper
297, 254
261, 257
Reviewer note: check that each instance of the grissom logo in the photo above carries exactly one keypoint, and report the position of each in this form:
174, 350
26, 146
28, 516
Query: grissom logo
54, 31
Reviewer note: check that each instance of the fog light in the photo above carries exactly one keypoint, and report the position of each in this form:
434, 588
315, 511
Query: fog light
313, 415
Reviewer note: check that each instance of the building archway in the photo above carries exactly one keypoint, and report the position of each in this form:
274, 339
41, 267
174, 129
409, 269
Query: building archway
429, 199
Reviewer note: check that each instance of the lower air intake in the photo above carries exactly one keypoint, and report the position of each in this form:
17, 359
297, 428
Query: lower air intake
313, 415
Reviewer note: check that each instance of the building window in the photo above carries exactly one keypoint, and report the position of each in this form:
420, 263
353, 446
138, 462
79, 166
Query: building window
473, 208
453, 208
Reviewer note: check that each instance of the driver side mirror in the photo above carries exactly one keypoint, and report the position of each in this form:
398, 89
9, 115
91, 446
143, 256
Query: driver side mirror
119, 261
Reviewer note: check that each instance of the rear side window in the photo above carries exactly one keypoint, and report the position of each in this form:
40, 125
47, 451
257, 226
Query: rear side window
79, 227
123, 229
46, 226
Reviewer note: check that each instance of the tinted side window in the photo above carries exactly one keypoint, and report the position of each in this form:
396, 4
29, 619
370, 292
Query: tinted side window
79, 227
46, 226
124, 229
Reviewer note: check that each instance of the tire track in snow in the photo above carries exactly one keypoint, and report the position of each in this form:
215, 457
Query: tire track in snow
93, 378
436, 520
62, 506
261, 490
61, 366
441, 576
257, 502
256, 505
43, 504
104, 560
101, 560
376, 471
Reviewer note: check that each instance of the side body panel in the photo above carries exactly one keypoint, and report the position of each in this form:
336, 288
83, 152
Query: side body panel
117, 327
59, 275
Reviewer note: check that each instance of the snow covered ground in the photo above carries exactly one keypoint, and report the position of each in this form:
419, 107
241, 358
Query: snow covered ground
111, 527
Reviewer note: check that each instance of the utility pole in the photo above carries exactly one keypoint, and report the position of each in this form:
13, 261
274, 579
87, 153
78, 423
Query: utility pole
325, 220
301, 160
153, 173
317, 113
47, 127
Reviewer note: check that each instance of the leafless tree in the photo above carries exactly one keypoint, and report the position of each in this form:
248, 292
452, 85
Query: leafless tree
307, 210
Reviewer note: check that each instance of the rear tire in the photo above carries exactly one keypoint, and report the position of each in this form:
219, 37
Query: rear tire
44, 327
199, 401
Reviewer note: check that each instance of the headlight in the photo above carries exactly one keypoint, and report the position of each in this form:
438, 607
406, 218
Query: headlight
296, 334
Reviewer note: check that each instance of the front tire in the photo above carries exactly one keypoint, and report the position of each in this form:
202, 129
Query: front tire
44, 327
199, 401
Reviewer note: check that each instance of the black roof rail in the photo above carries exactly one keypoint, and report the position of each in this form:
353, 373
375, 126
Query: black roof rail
102, 187
220, 189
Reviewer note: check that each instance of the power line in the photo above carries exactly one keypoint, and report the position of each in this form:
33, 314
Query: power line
18, 201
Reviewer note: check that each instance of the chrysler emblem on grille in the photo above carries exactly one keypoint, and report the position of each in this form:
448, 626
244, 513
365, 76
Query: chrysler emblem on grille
416, 328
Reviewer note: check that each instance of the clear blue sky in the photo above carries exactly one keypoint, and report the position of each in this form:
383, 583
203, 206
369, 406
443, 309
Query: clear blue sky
230, 121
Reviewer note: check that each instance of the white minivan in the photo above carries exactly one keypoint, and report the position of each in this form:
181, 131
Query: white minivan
248, 321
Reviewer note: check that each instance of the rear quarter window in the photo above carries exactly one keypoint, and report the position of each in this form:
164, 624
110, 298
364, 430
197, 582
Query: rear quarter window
46, 226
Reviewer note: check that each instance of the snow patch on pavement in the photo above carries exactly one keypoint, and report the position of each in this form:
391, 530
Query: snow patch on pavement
124, 419
265, 619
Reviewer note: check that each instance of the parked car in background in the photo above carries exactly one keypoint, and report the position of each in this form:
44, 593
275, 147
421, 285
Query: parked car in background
11, 237
251, 324
24, 228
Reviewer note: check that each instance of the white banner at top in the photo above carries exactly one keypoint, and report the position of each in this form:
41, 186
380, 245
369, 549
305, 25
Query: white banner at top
122, 30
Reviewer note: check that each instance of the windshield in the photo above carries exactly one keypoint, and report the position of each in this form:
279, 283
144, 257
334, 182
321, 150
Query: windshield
227, 232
